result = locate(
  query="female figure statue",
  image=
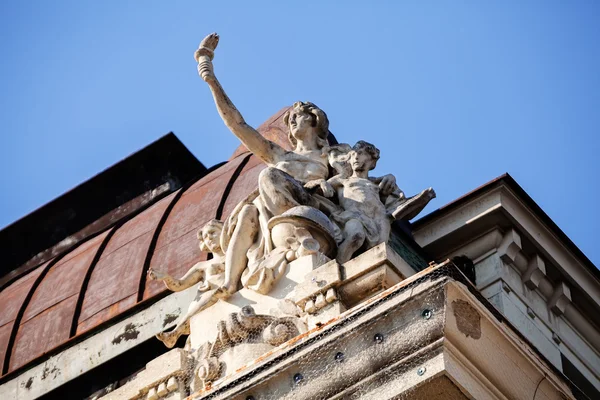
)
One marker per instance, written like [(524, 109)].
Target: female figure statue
[(287, 180)]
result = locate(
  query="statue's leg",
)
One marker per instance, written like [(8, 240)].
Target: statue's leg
[(242, 239), (354, 237), (170, 338), (201, 302), (280, 191)]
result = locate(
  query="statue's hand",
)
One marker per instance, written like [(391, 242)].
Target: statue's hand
[(156, 275), (207, 47), (320, 184), (387, 184)]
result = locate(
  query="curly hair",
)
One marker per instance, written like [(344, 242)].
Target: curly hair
[(212, 223), (368, 147), (319, 120)]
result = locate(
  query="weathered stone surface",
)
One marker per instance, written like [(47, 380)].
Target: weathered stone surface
[(316, 282), (204, 324), (151, 383), (399, 344)]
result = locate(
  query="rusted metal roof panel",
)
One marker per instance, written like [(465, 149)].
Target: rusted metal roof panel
[(42, 333), (143, 223), (62, 280), (197, 205), (106, 314), (13, 296), (4, 337), (115, 277), (245, 184), (92, 242), (175, 259)]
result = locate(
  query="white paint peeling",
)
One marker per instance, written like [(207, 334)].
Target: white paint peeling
[(97, 349)]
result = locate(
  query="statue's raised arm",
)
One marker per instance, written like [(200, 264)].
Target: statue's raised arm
[(271, 153)]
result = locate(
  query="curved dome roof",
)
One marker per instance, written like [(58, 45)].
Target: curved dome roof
[(105, 275)]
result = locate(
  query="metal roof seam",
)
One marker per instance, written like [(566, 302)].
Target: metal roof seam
[(88, 276), (66, 255), (21, 312), (159, 226)]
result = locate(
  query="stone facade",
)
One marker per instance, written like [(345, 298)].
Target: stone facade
[(429, 336), (307, 290)]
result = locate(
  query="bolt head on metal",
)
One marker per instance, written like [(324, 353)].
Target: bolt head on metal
[(298, 378), (378, 338), (421, 371), (339, 356), (427, 313)]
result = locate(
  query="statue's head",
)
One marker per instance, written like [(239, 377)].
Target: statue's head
[(210, 236), (363, 156), (306, 119)]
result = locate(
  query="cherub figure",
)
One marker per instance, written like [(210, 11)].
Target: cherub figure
[(368, 206), (210, 275)]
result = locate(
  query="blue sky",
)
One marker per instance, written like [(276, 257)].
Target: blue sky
[(454, 93)]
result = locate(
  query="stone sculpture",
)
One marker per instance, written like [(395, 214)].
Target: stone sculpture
[(367, 210), (290, 180), (314, 205), (209, 274), (244, 331)]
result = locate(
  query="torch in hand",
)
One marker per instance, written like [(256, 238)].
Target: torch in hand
[(204, 56)]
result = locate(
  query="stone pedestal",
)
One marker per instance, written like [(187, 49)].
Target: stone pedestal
[(234, 333), (320, 288), (203, 326)]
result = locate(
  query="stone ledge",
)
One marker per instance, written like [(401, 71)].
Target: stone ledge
[(157, 380), (437, 325)]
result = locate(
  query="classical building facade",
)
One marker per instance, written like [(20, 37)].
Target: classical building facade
[(300, 276)]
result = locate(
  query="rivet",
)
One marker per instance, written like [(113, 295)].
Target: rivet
[(250, 398), (378, 338), (426, 313), (298, 378), (314, 279), (421, 371), (339, 356)]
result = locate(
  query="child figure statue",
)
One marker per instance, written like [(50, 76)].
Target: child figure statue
[(367, 210), (210, 275)]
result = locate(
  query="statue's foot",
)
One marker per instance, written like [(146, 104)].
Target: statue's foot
[(168, 338)]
